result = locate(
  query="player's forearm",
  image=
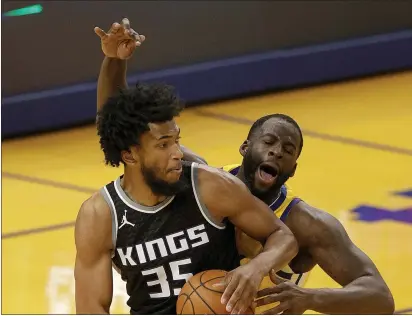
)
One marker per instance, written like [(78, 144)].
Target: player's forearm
[(112, 76), (365, 295), (280, 248)]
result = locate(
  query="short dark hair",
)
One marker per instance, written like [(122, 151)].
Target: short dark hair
[(257, 124), (125, 117)]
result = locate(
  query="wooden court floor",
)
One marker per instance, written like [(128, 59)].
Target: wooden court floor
[(356, 164)]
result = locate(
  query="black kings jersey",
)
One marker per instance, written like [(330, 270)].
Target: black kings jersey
[(158, 248)]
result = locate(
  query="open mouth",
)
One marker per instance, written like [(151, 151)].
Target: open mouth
[(268, 173)]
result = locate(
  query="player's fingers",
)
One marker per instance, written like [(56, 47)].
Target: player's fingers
[(272, 298), (244, 302), (116, 27), (275, 278), (238, 309), (134, 35), (277, 309), (102, 34), (270, 290), (235, 300), (230, 287), (126, 23)]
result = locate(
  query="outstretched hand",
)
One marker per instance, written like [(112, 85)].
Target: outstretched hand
[(240, 288), (121, 40), (292, 299)]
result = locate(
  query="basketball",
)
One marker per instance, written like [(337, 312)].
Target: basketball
[(199, 297)]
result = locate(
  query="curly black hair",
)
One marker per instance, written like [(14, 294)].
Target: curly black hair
[(257, 124), (125, 117)]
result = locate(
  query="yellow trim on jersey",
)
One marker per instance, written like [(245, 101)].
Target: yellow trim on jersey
[(251, 248)]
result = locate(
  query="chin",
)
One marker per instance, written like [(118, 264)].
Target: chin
[(260, 191), (172, 179)]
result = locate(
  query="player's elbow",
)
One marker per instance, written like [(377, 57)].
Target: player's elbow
[(386, 301), (381, 299)]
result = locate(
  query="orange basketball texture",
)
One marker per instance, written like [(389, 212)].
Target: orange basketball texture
[(199, 297)]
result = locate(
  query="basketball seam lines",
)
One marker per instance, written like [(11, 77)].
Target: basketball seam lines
[(187, 299), (204, 284), (194, 289)]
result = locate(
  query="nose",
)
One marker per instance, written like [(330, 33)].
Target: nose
[(177, 154), (276, 151)]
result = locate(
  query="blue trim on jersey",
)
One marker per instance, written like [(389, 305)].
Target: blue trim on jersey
[(281, 199), (288, 208), (234, 171)]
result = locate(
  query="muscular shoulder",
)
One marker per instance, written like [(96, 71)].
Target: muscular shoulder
[(219, 181), (313, 226), (93, 223), (94, 211), (220, 190)]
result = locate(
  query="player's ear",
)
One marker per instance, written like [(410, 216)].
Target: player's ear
[(244, 147), (130, 157)]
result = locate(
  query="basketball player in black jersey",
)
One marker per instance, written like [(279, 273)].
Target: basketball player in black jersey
[(163, 220), (322, 239)]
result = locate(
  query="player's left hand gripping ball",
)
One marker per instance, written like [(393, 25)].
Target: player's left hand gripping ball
[(121, 40), (241, 286)]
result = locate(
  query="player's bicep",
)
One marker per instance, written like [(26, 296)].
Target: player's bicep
[(254, 217), (231, 199), (336, 254), (226, 196), (93, 267), (94, 288)]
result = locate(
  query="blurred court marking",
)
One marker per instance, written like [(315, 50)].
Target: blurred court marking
[(56, 184)]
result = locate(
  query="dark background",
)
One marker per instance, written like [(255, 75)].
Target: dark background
[(59, 47)]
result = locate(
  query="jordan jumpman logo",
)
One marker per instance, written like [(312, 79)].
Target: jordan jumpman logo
[(125, 221)]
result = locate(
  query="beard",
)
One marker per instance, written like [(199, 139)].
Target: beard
[(250, 166), (161, 187)]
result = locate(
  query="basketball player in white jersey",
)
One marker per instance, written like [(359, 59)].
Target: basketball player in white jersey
[(164, 220), (321, 237)]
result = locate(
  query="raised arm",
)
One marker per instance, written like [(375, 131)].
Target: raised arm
[(112, 77), (93, 267), (118, 45), (226, 196)]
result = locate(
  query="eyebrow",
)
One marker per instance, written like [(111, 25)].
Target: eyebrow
[(168, 136)]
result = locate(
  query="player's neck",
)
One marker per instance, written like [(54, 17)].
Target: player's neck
[(137, 189)]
